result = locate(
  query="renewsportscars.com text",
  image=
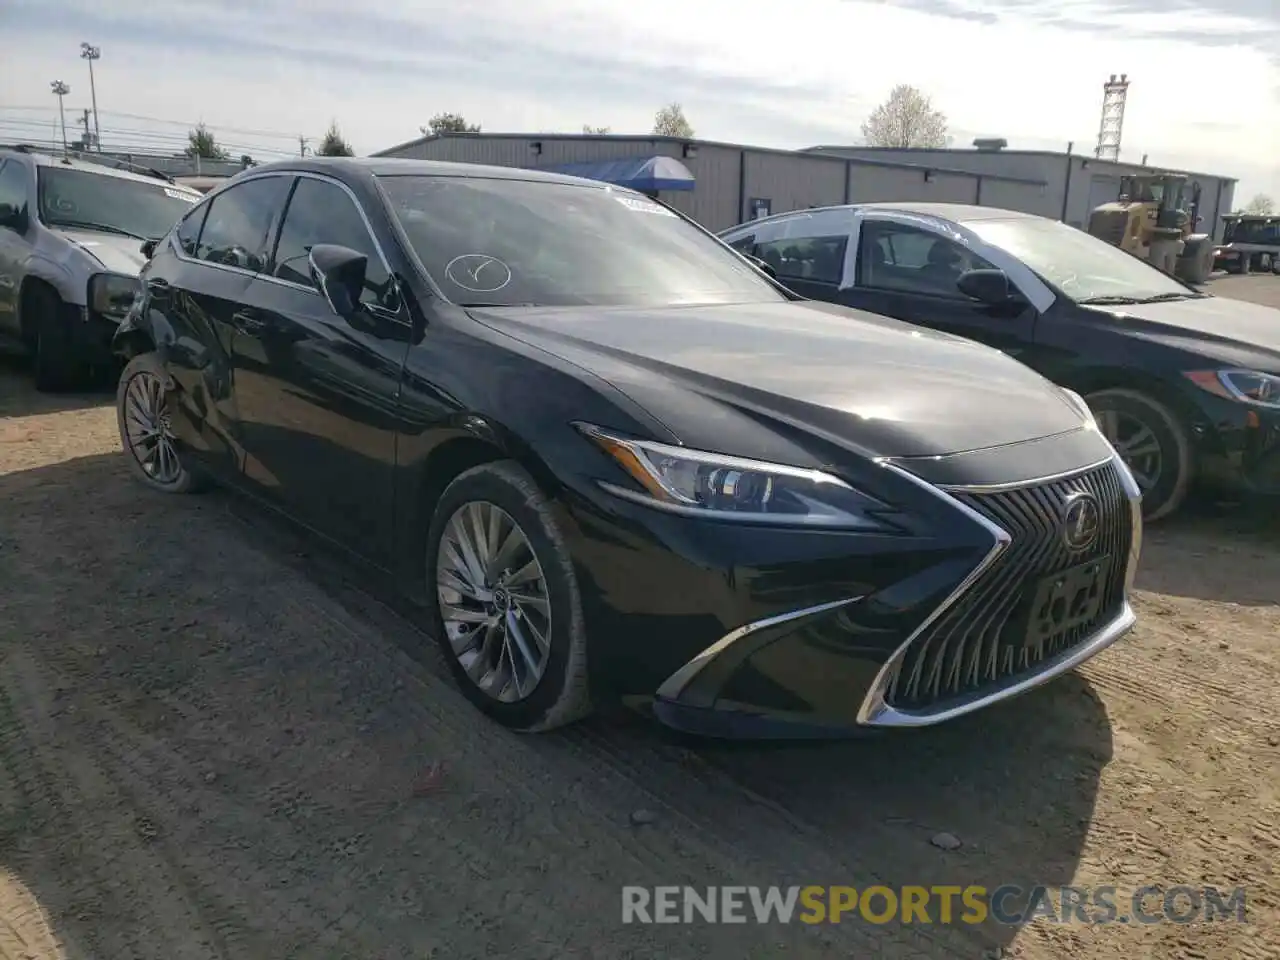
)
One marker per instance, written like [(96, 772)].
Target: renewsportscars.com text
[(1009, 904)]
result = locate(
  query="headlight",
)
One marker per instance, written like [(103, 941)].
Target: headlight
[(112, 294), (1079, 403), (695, 483), (1246, 386)]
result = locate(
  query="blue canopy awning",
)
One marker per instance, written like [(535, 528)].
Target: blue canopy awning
[(637, 173)]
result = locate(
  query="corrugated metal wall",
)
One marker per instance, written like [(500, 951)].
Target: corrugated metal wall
[(729, 177), (1092, 181)]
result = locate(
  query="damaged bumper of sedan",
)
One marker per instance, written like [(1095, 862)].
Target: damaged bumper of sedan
[(987, 591)]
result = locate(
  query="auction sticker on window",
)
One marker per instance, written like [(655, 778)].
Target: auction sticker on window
[(640, 205), (180, 195)]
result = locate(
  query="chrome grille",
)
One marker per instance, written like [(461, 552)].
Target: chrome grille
[(980, 640)]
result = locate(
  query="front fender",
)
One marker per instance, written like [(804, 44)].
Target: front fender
[(143, 330)]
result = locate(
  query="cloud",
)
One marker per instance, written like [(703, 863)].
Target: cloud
[(785, 75)]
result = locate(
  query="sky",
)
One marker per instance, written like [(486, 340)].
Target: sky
[(1204, 95)]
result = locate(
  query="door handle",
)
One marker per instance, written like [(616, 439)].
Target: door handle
[(157, 285)]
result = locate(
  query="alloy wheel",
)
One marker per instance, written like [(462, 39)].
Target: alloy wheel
[(1137, 445), (493, 600), (148, 430)]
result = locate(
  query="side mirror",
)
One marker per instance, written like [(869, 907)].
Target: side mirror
[(149, 248), (339, 273), (762, 265), (985, 286), (13, 217)]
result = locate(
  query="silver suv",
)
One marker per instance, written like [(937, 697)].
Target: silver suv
[(73, 236)]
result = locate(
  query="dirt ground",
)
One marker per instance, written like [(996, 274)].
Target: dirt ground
[(217, 741)]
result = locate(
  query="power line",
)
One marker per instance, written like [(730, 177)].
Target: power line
[(243, 131)]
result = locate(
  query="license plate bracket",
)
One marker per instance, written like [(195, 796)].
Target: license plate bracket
[(1067, 599)]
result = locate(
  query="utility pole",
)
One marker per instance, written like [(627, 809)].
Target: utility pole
[(84, 121), (92, 53), (60, 90), (302, 145)]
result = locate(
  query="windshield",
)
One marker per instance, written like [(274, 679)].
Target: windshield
[(1083, 267), (94, 201), (497, 242)]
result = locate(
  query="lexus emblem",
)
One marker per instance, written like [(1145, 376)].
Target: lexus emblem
[(1081, 518)]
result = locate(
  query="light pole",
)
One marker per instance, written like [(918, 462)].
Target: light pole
[(92, 53), (60, 90)]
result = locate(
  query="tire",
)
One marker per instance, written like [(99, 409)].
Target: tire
[(1129, 411), (143, 378), (57, 368), (559, 692)]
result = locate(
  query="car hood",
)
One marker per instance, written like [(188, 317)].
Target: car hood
[(116, 253), (1234, 331), (883, 387)]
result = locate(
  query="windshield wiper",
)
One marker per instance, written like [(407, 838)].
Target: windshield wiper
[(1110, 300), (90, 225), (1164, 297), (484, 304)]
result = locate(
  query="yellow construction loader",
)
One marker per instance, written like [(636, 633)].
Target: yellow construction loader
[(1154, 217)]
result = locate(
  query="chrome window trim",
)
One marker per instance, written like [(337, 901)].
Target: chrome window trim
[(675, 685), (180, 254), (875, 712)]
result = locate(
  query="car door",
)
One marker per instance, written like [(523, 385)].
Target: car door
[(908, 270), (198, 282), (317, 395), (15, 248)]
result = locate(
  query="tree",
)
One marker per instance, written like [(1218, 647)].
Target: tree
[(247, 161), (670, 121), (591, 131), (449, 123), (201, 143), (1260, 205), (906, 119), (333, 145)]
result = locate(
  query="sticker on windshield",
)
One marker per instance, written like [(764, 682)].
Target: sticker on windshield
[(478, 272), (640, 205), (180, 195)]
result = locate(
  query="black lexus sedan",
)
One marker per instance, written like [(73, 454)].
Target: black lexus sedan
[(608, 456), (1186, 386)]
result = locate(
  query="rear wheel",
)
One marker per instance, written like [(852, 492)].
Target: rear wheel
[(143, 417), (1153, 444), (504, 599)]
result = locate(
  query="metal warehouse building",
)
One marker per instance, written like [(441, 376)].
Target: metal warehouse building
[(723, 184)]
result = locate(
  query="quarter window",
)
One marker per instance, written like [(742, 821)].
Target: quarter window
[(898, 257), (237, 229), (189, 229), (322, 212)]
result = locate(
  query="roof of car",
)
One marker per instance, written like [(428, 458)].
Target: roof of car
[(71, 163), (959, 212), (955, 212), (390, 167)]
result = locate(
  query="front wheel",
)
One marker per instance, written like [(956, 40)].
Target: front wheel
[(1153, 444), (143, 417), (504, 600)]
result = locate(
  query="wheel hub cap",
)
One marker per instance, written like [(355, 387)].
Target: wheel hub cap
[(148, 432), (493, 601)]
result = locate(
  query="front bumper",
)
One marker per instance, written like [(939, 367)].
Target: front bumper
[(1238, 446), (921, 649)]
